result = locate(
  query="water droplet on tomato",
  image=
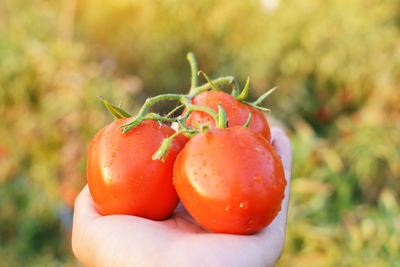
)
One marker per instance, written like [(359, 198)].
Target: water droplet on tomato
[(136, 183), (244, 205), (227, 208), (247, 151), (250, 221), (257, 178)]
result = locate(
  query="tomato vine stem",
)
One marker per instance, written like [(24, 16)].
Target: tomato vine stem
[(220, 119), (193, 67), (162, 152), (184, 99), (208, 80), (245, 92), (248, 120)]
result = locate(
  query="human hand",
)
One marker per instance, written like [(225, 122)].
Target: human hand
[(124, 240)]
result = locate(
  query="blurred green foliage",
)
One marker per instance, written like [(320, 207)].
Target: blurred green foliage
[(337, 64)]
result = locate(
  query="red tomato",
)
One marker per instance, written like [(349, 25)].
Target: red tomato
[(123, 178), (236, 112), (230, 180)]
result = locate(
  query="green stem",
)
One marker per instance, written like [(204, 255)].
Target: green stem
[(152, 100), (262, 97), (222, 122), (256, 107), (159, 118), (174, 110), (209, 80), (248, 120), (184, 99), (207, 86), (245, 93), (208, 110), (147, 104), (193, 67), (138, 120), (162, 152)]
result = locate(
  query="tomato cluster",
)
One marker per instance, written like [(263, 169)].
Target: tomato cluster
[(227, 176)]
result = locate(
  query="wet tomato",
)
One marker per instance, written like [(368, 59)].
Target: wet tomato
[(123, 178), (236, 112), (230, 180)]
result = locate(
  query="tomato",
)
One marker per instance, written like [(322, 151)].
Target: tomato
[(236, 112), (230, 180), (123, 178)]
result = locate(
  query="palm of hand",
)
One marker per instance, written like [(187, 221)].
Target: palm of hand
[(122, 240)]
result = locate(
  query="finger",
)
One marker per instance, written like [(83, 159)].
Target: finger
[(275, 232), (84, 209), (282, 146), (84, 213)]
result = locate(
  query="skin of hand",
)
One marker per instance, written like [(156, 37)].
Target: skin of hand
[(123, 240)]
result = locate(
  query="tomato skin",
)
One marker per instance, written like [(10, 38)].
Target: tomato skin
[(123, 178), (236, 112), (230, 180)]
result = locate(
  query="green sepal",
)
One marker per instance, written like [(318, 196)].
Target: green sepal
[(209, 80), (256, 107), (193, 67), (222, 122), (245, 92), (117, 112), (131, 124), (264, 96), (248, 120), (162, 152)]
